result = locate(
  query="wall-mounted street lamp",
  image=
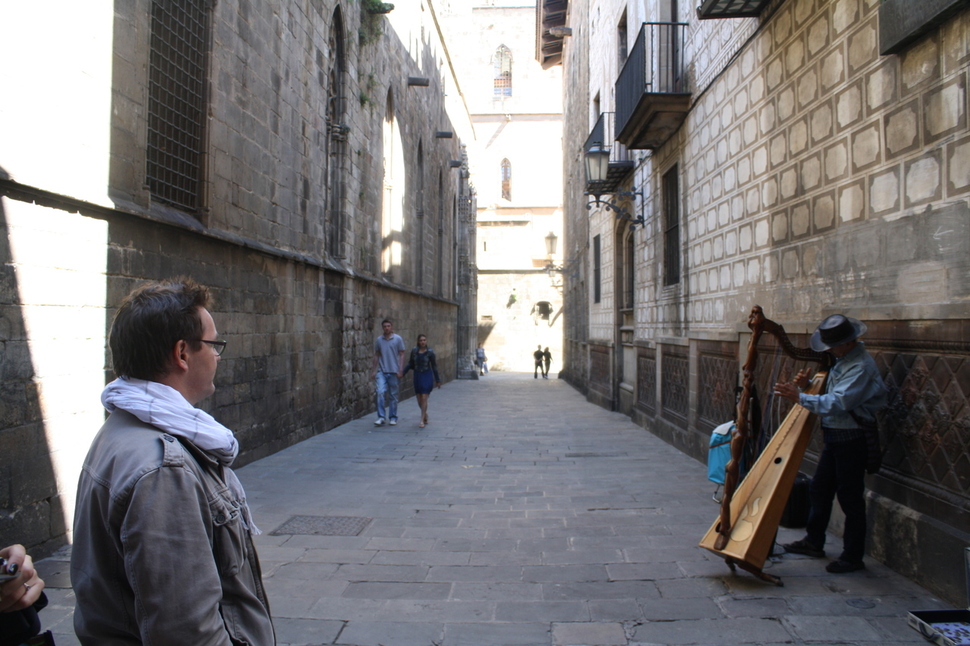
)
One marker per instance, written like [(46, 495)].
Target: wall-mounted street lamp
[(551, 268), (551, 241), (597, 172), (569, 267)]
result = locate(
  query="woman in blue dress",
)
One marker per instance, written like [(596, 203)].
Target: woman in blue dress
[(425, 366)]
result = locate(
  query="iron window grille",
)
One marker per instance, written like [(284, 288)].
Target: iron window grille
[(176, 102), (597, 269), (671, 202)]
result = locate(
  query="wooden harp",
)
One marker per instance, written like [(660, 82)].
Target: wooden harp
[(751, 511)]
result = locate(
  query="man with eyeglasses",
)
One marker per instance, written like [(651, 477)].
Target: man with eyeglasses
[(163, 550)]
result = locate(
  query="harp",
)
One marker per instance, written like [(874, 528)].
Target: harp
[(745, 531)]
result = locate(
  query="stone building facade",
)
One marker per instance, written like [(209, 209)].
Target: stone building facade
[(305, 160), (516, 161), (811, 158)]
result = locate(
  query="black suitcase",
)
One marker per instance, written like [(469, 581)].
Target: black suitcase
[(796, 510)]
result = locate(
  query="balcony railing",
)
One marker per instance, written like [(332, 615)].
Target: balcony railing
[(621, 162), (652, 99)]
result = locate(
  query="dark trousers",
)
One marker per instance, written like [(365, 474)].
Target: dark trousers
[(841, 473)]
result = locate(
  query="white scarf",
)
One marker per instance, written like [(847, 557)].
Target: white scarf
[(165, 408)]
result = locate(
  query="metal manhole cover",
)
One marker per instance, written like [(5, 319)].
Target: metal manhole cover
[(323, 526)]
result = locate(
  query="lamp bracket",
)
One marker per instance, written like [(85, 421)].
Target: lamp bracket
[(620, 212)]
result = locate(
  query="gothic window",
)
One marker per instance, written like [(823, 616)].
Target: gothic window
[(392, 204), (440, 250), (506, 179), (502, 83), (336, 139), (419, 222), (176, 102)]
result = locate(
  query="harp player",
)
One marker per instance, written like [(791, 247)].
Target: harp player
[(854, 392)]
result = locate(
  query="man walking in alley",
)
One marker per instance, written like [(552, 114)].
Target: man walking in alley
[(163, 550), (388, 370), (538, 356), (854, 393)]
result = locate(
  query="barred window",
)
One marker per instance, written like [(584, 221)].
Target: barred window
[(671, 202), (176, 102), (629, 270), (621, 43), (336, 141), (502, 83), (597, 270)]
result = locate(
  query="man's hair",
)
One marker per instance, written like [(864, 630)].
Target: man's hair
[(150, 321), (386, 321)]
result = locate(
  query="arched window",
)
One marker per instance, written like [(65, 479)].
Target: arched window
[(506, 180), (502, 83), (440, 248), (419, 223), (336, 139), (392, 208)]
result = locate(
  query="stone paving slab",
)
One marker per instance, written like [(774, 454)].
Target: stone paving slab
[(539, 520), (603, 633)]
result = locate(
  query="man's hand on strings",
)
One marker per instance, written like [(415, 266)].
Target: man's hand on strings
[(791, 390)]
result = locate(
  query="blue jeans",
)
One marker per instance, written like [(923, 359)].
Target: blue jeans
[(840, 474), (387, 383)]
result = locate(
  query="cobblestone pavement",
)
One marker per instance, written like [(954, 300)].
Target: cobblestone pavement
[(522, 515)]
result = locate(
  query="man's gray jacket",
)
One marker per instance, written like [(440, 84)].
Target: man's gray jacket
[(161, 555)]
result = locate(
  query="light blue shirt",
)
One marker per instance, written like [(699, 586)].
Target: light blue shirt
[(854, 384), (390, 353)]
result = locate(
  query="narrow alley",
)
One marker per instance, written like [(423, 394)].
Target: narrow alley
[(522, 515)]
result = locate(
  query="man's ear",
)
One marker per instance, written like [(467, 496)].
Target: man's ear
[(179, 356)]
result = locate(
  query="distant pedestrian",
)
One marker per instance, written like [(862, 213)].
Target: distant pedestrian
[(481, 360), (538, 355), (425, 366), (547, 359), (388, 370)]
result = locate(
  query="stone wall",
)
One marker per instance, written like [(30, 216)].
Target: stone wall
[(290, 236)]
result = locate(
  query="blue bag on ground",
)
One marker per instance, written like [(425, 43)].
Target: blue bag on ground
[(719, 453)]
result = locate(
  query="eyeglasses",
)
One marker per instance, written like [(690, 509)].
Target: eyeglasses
[(217, 346)]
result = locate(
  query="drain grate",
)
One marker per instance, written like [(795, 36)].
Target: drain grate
[(323, 526)]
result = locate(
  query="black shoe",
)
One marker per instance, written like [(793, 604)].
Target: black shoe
[(841, 566), (804, 547)]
